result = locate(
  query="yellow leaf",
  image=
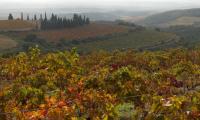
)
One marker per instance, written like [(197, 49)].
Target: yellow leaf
[(105, 117)]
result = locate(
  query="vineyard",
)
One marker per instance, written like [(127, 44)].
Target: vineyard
[(87, 31), (161, 85)]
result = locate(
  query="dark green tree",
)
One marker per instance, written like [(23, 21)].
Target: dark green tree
[(55, 22), (28, 18), (35, 17), (22, 16), (41, 17), (10, 17), (87, 21), (45, 16)]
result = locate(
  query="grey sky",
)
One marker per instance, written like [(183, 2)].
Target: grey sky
[(113, 4)]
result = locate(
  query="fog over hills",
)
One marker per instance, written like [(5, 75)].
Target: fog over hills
[(95, 9), (104, 4), (173, 18)]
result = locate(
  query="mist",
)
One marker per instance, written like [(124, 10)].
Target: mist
[(134, 5), (66, 7)]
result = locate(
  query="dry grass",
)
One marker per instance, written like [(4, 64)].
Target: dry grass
[(6, 42), (16, 25)]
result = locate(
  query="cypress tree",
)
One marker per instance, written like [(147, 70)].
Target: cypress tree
[(35, 17), (87, 21), (41, 17), (10, 17), (45, 16), (28, 17), (58, 22), (22, 16)]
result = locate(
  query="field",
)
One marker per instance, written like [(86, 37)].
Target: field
[(16, 25), (6, 42), (185, 21)]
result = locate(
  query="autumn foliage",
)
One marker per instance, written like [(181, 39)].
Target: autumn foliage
[(64, 85)]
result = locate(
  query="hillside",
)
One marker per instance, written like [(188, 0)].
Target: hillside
[(127, 85), (91, 30), (172, 18), (82, 32), (95, 37), (189, 34), (145, 39)]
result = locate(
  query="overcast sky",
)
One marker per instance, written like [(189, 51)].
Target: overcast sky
[(113, 4)]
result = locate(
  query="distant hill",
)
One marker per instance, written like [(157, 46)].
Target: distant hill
[(113, 15), (173, 18)]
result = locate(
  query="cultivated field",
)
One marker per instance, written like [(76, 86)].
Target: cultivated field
[(6, 42), (91, 30), (16, 25), (185, 21)]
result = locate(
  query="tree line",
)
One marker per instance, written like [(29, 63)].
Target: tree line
[(55, 22), (59, 22)]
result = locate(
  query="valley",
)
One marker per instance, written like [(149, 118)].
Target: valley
[(100, 65)]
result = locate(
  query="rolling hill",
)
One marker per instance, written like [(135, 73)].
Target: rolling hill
[(173, 18), (145, 39), (189, 34), (95, 37), (82, 32)]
